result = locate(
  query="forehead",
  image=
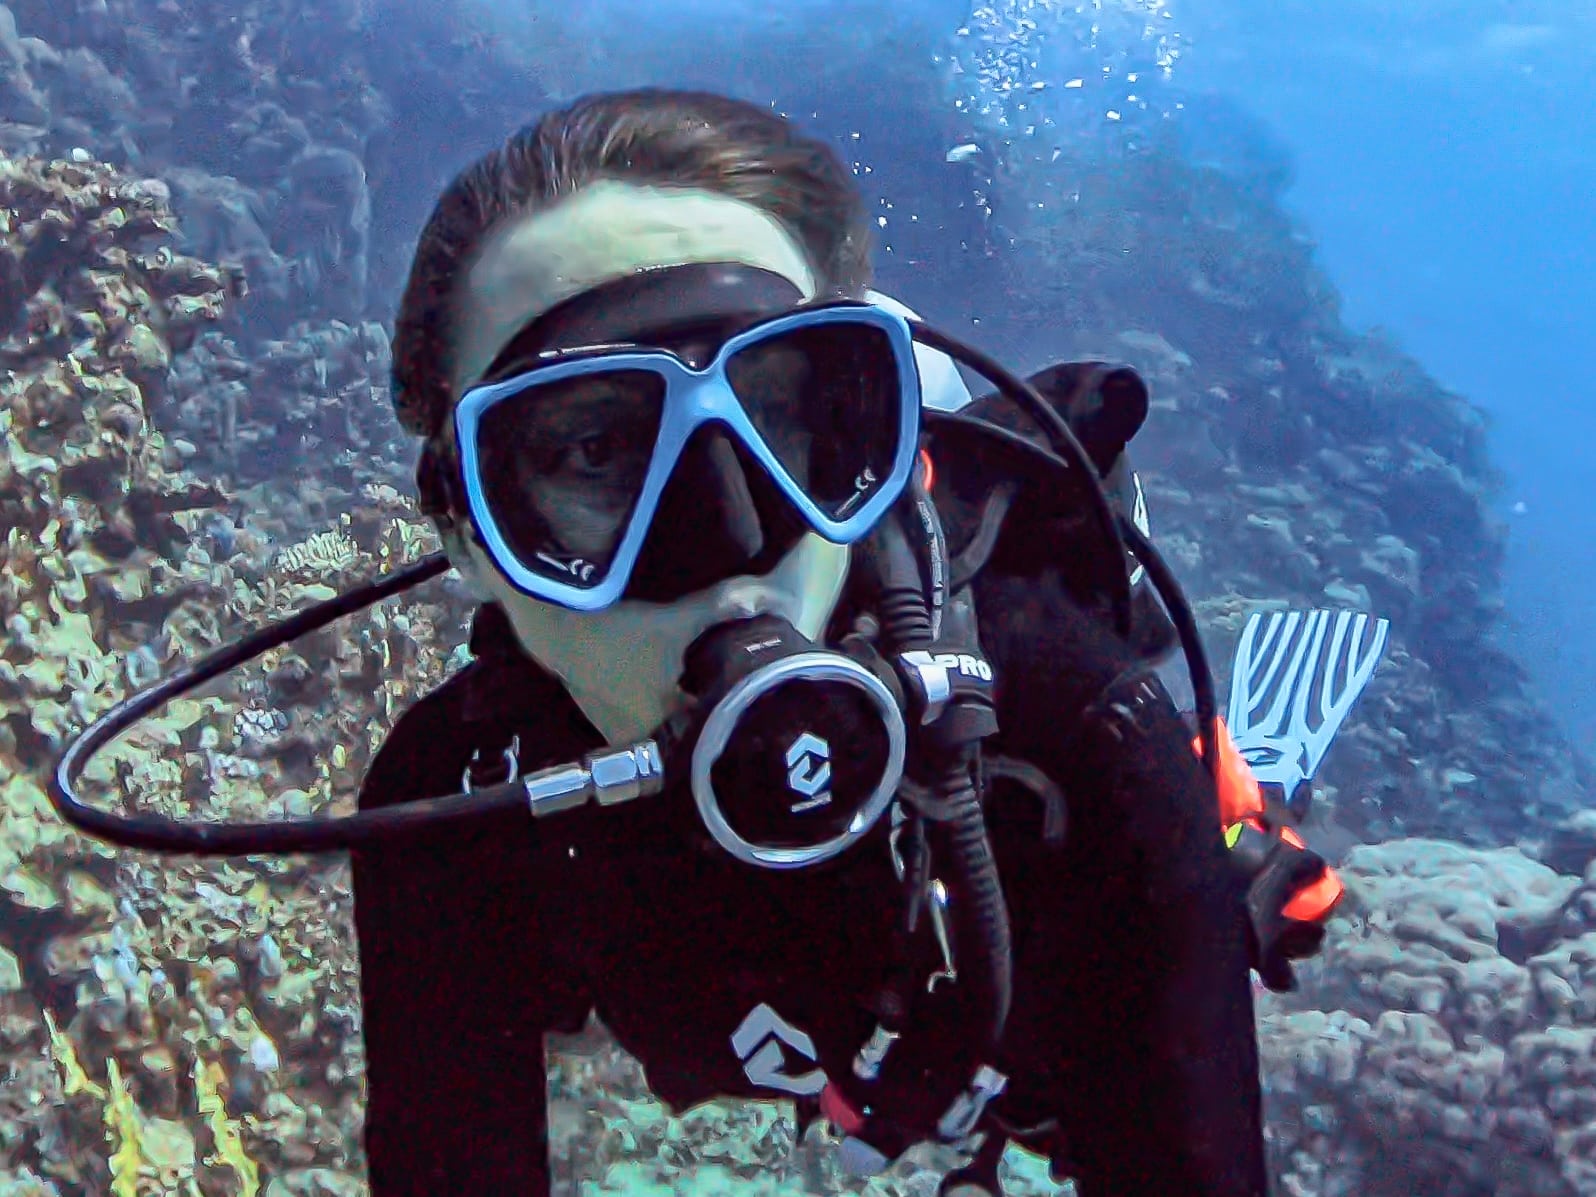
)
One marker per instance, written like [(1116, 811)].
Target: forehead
[(691, 309), (607, 231)]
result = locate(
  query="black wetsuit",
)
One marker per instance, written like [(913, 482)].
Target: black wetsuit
[(1132, 1021)]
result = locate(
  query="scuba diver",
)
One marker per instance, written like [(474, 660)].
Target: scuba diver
[(636, 515), (833, 693)]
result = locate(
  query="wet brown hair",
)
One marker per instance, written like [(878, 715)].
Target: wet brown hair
[(651, 137)]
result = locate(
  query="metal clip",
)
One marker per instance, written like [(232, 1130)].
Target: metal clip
[(938, 894), (899, 826), (964, 1115), (512, 767), (930, 679)]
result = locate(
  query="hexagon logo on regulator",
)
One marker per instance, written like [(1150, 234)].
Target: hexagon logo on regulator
[(809, 772)]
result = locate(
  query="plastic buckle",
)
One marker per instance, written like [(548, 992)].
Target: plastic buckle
[(510, 760)]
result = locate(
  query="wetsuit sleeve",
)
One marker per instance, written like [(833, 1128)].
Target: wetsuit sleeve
[(1177, 1105), (1139, 927), (455, 996)]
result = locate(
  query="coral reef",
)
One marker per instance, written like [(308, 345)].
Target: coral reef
[(225, 1040), (1350, 478), (140, 85), (1450, 1025)]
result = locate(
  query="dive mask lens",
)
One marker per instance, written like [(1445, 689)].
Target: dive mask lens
[(827, 400), (561, 467)]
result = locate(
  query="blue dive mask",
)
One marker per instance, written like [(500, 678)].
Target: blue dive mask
[(564, 464)]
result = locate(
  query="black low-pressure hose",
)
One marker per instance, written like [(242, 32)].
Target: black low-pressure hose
[(905, 616), (157, 833), (1191, 641), (933, 548), (956, 821), (1067, 452), (979, 913)]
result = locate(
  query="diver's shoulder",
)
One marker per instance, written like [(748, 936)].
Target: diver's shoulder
[(502, 700), (418, 752), (1040, 628)]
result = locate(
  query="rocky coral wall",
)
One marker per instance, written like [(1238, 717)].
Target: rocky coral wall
[(1345, 476), (203, 94), (169, 1026), (263, 132)]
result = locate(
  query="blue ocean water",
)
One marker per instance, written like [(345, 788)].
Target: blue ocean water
[(1444, 158), (1441, 155)]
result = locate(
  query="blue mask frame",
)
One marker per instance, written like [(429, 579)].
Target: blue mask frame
[(693, 398)]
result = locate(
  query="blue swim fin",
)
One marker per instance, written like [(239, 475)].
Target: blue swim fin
[(1297, 674)]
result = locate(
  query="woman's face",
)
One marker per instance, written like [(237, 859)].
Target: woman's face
[(578, 458)]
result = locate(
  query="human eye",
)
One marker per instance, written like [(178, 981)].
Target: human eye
[(599, 430)]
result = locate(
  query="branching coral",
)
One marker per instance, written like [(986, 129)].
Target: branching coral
[(149, 1155), (224, 1132), (110, 571)]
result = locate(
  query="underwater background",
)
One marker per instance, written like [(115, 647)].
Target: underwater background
[(206, 211)]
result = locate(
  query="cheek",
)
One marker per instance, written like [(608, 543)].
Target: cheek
[(586, 519)]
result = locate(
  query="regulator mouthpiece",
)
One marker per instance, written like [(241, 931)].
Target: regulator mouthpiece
[(801, 750)]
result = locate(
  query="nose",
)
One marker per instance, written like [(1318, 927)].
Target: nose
[(708, 526), (739, 516)]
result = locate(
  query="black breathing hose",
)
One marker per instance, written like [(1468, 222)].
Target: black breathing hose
[(1191, 641), (977, 908), (978, 911), (156, 833), (933, 554)]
